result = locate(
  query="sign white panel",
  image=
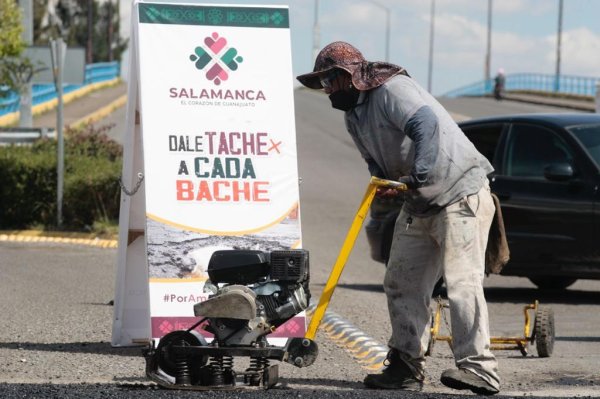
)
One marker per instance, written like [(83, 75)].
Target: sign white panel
[(219, 145)]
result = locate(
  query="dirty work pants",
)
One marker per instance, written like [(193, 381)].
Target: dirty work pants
[(450, 244)]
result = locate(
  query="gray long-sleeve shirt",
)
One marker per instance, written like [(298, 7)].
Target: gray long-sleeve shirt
[(401, 130)]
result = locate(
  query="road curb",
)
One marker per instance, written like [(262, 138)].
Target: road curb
[(58, 238)]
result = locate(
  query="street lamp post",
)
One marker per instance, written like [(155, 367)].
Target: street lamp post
[(488, 54), (387, 27), (25, 104), (316, 32), (431, 32), (58, 50), (558, 44)]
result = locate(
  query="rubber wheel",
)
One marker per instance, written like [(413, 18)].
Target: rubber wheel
[(543, 331), (552, 283), (431, 343), (430, 346), (166, 361)]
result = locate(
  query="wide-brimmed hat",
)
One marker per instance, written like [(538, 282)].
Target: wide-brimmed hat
[(341, 55)]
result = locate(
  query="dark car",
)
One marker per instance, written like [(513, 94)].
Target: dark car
[(547, 177)]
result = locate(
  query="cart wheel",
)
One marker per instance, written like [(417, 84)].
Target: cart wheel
[(543, 331), (431, 343), (430, 346)]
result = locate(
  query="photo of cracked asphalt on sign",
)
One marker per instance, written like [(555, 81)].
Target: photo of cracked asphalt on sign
[(178, 253), (55, 301)]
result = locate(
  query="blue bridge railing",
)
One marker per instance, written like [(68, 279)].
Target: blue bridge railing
[(565, 84), (94, 73)]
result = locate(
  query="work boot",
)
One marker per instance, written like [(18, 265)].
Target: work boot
[(465, 379), (396, 375)]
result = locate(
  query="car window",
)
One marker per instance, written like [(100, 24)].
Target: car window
[(589, 136), (485, 138), (530, 149)]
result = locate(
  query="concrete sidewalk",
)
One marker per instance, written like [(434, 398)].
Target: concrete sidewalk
[(91, 107)]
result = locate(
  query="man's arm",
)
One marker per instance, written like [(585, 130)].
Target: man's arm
[(406, 108), (422, 128)]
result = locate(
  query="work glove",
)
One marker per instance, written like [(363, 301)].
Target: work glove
[(410, 182)]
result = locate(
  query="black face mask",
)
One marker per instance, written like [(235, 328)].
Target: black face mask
[(344, 100)]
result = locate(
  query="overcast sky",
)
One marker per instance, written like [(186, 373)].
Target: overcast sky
[(524, 35)]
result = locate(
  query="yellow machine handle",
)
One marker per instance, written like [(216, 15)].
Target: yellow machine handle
[(338, 267)]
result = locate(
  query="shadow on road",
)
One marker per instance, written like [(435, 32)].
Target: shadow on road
[(512, 295), (98, 348), (321, 382), (579, 339), (363, 287), (527, 295)]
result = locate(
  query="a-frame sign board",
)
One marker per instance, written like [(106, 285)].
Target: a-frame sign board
[(210, 127), (131, 317)]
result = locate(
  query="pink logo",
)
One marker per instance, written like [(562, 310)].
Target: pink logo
[(218, 64), (165, 327)]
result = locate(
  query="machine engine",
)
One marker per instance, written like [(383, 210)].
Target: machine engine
[(253, 292)]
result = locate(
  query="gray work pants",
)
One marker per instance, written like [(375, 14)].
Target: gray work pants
[(450, 244)]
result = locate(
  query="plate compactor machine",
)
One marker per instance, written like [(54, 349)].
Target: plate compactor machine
[(251, 294)]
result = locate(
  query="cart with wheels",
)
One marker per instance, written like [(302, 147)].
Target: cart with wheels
[(541, 331)]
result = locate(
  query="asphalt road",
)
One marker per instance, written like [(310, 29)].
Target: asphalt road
[(55, 339)]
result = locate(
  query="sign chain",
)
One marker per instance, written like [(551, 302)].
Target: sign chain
[(137, 185)]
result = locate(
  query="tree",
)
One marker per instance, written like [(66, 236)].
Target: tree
[(108, 45), (15, 71), (70, 19), (11, 29)]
